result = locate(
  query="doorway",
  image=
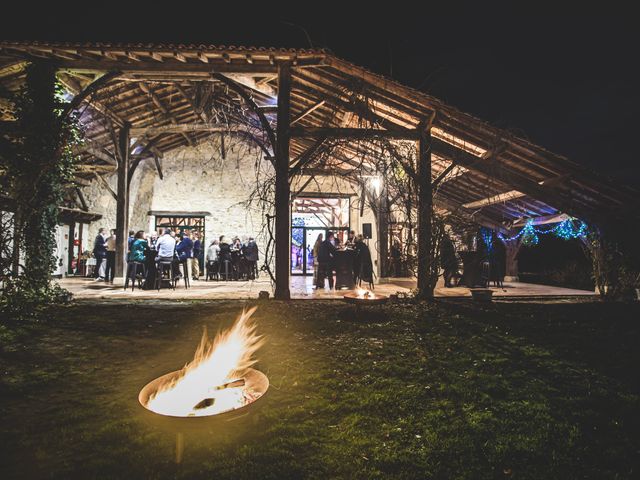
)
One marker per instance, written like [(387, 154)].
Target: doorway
[(310, 217)]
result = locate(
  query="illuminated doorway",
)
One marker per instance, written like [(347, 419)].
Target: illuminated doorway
[(310, 217)]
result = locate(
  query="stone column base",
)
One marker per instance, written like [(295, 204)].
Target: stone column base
[(511, 278)]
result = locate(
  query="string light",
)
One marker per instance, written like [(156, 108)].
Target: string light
[(487, 237), (566, 230)]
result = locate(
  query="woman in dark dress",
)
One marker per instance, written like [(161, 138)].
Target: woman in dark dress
[(363, 266)]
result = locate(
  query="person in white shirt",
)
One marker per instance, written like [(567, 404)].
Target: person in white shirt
[(110, 269), (166, 246), (212, 261)]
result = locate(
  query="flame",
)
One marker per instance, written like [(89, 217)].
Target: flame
[(363, 293), (215, 363)]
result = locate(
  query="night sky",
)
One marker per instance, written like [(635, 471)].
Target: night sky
[(566, 79)]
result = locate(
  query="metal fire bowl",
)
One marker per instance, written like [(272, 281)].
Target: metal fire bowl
[(373, 299), (254, 379)]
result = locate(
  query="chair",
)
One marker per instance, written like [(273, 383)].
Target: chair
[(213, 271), (162, 267), (132, 274), (485, 275)]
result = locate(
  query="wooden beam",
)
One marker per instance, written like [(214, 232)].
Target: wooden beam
[(168, 65), (99, 154), (164, 109), (181, 128), (309, 110), (89, 90), (122, 202), (156, 160), (443, 175), (190, 99), (83, 202), (304, 158), (282, 187), (492, 200), (543, 220), (70, 85), (240, 90), (355, 133), (107, 186)]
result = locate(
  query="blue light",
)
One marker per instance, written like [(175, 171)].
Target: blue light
[(567, 230)]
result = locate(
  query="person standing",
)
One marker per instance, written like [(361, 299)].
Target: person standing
[(110, 269), (130, 240), (316, 249), (448, 261), (326, 254), (363, 265), (197, 250), (213, 264), (100, 254), (185, 253), (250, 251), (351, 239)]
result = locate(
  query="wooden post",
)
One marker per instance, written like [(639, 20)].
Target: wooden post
[(80, 249), (122, 203), (283, 189), (383, 230), (425, 213), (72, 232), (511, 262)]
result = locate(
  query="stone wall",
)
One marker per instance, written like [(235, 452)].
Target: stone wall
[(196, 179)]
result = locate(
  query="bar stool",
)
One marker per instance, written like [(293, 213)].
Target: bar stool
[(185, 273), (162, 267), (132, 274), (228, 269)]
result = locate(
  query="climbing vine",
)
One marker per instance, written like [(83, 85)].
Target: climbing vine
[(38, 161)]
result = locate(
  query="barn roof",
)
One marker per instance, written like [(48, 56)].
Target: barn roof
[(486, 173)]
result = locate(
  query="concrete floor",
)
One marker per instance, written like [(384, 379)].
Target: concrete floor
[(301, 288)]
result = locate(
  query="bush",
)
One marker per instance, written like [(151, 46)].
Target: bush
[(20, 301)]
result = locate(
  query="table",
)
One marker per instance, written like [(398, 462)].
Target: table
[(343, 265)]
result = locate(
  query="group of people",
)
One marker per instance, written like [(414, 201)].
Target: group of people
[(235, 260), (180, 248), (326, 250)]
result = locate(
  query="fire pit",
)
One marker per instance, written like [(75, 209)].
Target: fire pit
[(218, 380), (362, 297)]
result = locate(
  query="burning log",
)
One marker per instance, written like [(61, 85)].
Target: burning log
[(235, 383), (207, 402)]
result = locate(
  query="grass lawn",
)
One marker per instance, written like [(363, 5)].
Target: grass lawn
[(450, 390)]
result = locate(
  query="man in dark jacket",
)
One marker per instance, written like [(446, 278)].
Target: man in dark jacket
[(185, 252), (326, 253), (250, 252), (100, 254), (197, 251)]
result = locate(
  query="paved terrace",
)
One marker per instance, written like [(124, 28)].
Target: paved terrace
[(301, 288)]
